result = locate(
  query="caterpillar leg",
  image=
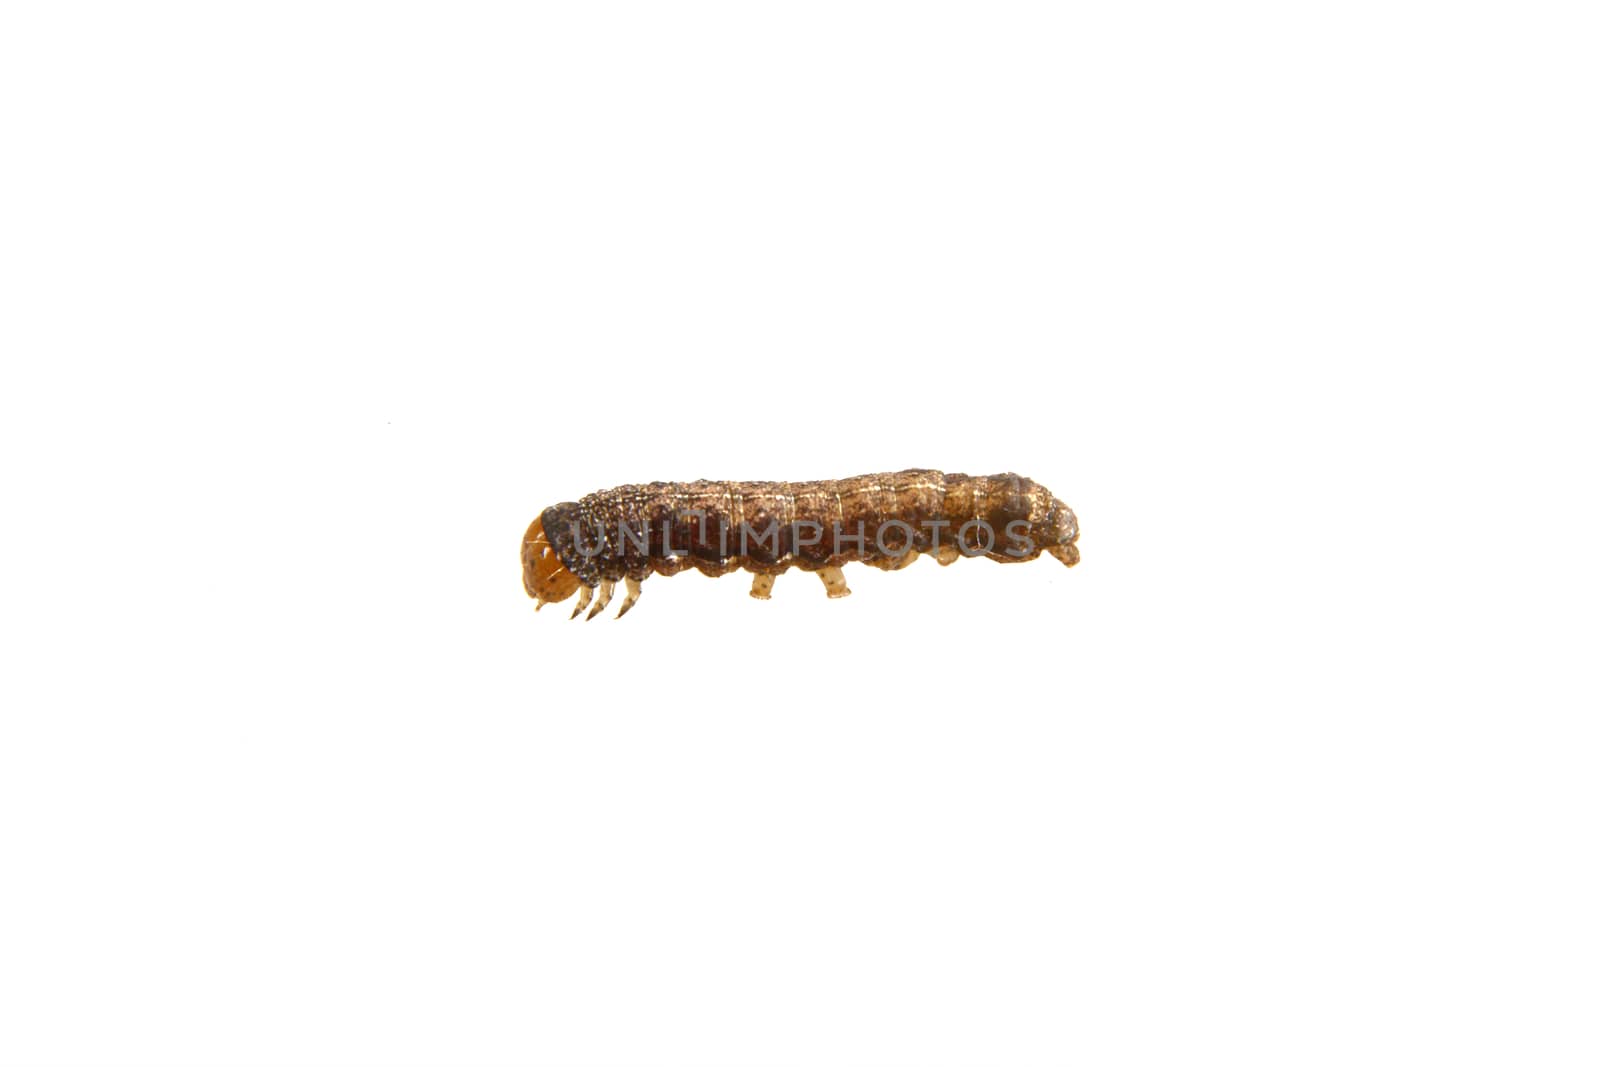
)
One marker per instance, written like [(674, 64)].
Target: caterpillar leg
[(946, 554), (1067, 554), (585, 594), (761, 588), (631, 598), (833, 582), (600, 601)]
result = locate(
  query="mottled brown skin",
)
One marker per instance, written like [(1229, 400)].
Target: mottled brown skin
[(703, 520)]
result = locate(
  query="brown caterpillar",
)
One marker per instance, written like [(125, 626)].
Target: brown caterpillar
[(883, 520)]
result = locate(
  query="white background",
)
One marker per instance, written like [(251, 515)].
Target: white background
[(309, 309)]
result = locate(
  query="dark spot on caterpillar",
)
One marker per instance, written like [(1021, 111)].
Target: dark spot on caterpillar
[(628, 533)]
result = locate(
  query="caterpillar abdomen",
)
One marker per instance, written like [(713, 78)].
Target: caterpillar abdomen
[(883, 520)]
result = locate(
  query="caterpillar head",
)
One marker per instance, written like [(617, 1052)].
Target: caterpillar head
[(544, 576)]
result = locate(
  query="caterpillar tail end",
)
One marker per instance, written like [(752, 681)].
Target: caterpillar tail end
[(543, 575), (1065, 546)]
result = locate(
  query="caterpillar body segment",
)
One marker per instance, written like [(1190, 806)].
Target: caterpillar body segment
[(628, 533)]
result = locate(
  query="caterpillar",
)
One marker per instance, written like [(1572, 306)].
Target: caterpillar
[(883, 520)]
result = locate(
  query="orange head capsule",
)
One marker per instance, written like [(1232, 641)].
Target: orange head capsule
[(543, 575)]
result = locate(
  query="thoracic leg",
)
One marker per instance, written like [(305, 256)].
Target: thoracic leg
[(585, 594), (631, 598), (761, 588), (600, 601), (833, 581)]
